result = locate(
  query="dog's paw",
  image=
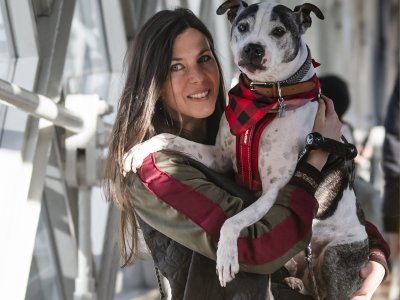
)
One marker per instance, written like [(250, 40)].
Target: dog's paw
[(294, 283), (227, 263), (227, 259), (133, 159)]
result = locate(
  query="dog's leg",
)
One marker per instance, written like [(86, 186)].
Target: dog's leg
[(210, 155), (227, 252), (217, 157), (277, 161), (340, 245)]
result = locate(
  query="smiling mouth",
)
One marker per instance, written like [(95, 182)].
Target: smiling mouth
[(201, 95)]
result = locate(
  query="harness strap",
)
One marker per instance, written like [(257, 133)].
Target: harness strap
[(247, 144)]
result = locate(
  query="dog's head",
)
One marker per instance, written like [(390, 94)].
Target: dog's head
[(266, 38)]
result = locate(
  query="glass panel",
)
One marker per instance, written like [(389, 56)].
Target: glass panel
[(43, 283), (7, 60), (87, 66), (6, 54)]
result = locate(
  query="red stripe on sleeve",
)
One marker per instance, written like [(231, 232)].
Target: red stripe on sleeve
[(284, 236), (183, 198)]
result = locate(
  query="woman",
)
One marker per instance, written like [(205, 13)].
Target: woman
[(174, 84)]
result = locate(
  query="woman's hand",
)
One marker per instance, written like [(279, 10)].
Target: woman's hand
[(372, 275), (326, 123)]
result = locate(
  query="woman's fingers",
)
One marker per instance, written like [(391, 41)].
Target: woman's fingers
[(330, 108), (320, 116), (321, 108), (327, 122)]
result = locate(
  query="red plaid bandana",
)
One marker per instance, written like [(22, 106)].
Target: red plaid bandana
[(246, 107)]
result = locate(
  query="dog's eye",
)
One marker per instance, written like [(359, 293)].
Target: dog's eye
[(278, 32), (243, 27)]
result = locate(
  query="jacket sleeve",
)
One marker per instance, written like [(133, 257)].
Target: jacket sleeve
[(180, 202), (379, 250)]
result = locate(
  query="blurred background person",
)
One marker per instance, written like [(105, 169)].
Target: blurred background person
[(391, 198), (336, 88)]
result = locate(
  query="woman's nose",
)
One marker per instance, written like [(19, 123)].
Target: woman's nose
[(196, 74)]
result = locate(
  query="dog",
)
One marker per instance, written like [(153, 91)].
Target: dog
[(267, 45)]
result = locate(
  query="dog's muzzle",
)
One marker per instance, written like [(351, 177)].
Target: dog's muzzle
[(252, 56)]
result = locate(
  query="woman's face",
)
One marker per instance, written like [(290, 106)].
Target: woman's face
[(191, 88)]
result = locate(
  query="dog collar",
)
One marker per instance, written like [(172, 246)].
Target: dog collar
[(276, 90), (247, 107), (287, 87)]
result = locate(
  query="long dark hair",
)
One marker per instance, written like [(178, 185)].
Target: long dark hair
[(141, 114)]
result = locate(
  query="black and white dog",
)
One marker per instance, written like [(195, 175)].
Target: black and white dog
[(267, 44)]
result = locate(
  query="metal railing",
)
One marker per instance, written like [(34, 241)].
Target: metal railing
[(81, 117), (39, 106)]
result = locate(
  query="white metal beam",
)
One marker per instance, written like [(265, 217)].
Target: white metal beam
[(39, 106), (19, 209), (23, 172), (115, 33), (22, 214), (24, 30), (84, 283), (110, 261)]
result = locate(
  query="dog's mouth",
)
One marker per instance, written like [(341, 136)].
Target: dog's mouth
[(251, 66)]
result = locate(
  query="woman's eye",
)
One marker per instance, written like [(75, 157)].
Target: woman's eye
[(204, 58), (278, 32), (243, 27), (176, 67)]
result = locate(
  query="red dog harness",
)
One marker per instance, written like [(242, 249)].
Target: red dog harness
[(247, 155), (251, 110)]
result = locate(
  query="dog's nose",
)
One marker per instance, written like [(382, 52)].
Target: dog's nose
[(253, 51)]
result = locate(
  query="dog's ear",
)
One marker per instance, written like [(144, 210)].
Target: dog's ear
[(303, 17), (232, 6)]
